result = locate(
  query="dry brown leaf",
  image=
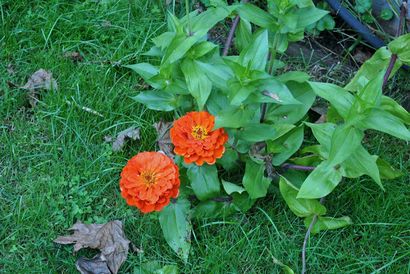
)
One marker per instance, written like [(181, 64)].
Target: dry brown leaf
[(132, 133), (96, 265), (164, 139), (41, 79), (109, 238)]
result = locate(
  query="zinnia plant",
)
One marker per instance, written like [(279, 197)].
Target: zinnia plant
[(242, 116), (149, 181), (195, 139)]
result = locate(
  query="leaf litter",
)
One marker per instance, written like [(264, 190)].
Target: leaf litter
[(40, 80), (132, 133), (109, 238)]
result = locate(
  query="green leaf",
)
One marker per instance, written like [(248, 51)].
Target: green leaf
[(257, 16), (242, 201), (206, 20), (180, 46), (361, 6), (361, 162), (372, 92), (386, 14), (273, 91), (386, 170), (145, 70), (232, 188), (345, 140), (391, 106), (213, 209), (198, 83), (257, 132), (176, 225), (219, 73), (204, 181), (383, 121), (154, 267), (309, 15), (286, 146), (400, 46), (254, 181), (377, 63), (235, 117), (201, 49), (327, 223), (320, 182), (293, 76), (339, 98), (255, 55), (243, 34), (157, 100), (323, 133), (300, 207), (229, 159), (291, 114)]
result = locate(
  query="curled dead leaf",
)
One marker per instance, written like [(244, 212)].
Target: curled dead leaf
[(41, 79), (164, 139), (132, 133), (96, 265), (109, 238)]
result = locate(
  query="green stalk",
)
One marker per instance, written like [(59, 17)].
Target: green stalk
[(187, 15)]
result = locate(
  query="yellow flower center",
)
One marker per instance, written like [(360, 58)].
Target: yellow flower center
[(199, 132), (148, 177)]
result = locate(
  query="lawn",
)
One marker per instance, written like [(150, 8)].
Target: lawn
[(55, 167)]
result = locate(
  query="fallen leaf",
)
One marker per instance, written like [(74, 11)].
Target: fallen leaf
[(132, 133), (74, 56), (96, 265), (109, 238), (41, 79), (164, 139)]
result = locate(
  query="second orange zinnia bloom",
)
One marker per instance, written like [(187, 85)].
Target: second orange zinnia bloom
[(194, 138)]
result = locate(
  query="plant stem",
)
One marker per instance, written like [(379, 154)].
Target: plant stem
[(187, 15), (314, 220), (393, 59), (231, 34), (298, 167)]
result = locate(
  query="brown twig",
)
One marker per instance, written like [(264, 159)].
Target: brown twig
[(314, 220), (393, 59), (231, 34)]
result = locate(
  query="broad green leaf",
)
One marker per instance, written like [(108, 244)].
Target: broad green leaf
[(320, 182), (229, 159), (213, 209), (157, 100), (372, 91), (339, 98), (273, 91), (327, 223), (345, 140), (291, 114), (204, 181), (256, 54), (257, 16), (180, 46), (257, 132), (377, 63), (235, 117), (155, 267), (198, 83), (243, 34), (232, 188), (164, 40), (242, 201), (145, 70), (309, 15), (386, 170), (323, 133), (400, 46), (176, 225), (391, 106), (239, 95), (254, 181), (206, 20), (219, 73), (154, 51), (383, 121), (286, 269), (201, 49), (300, 207), (361, 162), (295, 76), (285, 146)]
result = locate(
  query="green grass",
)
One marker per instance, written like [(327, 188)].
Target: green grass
[(56, 169)]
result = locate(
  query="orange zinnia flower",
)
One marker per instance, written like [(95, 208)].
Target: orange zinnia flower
[(149, 181), (194, 138)]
